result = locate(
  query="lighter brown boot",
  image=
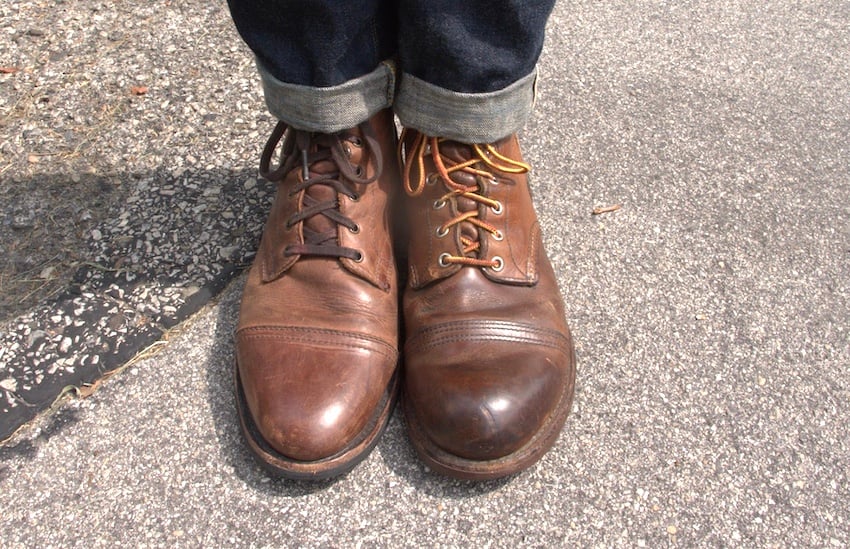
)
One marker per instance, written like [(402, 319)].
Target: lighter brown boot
[(317, 340), (489, 360)]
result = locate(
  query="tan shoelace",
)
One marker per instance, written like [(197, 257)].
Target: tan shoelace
[(492, 160)]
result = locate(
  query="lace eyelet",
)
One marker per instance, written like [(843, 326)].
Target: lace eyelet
[(442, 260), (354, 197), (358, 170), (494, 181), (432, 179), (356, 141), (497, 209), (439, 204), (347, 150), (498, 236), (442, 231), (499, 263), (355, 229), (358, 258)]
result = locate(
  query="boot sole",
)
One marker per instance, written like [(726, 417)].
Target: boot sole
[(458, 467), (281, 466)]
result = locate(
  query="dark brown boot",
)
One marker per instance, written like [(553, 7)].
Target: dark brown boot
[(317, 341), (489, 360)]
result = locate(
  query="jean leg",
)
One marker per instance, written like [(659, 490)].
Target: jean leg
[(468, 68), (321, 62)]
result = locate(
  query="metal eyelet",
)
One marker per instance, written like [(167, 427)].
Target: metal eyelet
[(358, 258), (498, 236), (497, 209), (354, 197), (358, 171), (442, 260), (355, 229), (347, 150), (494, 181), (356, 141), (499, 263), (439, 204), (442, 231), (432, 179)]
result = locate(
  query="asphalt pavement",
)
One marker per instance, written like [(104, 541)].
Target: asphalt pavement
[(708, 298)]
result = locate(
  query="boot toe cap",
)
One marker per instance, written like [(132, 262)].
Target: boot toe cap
[(311, 428), (310, 400), (484, 407)]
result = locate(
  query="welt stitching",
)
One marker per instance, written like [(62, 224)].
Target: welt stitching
[(458, 338)]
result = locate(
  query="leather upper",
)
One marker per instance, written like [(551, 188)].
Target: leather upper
[(317, 339), (488, 355)]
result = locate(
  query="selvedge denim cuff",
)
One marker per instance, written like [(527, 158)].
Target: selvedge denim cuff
[(464, 117), (333, 109)]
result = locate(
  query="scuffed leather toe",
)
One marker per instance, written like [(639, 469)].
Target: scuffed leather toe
[(487, 405), (310, 400)]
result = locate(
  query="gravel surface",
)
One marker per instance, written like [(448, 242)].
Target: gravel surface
[(710, 310), (129, 193)]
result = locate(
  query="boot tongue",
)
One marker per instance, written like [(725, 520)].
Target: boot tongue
[(457, 153), (320, 193)]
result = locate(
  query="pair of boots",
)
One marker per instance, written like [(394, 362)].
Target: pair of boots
[(488, 362)]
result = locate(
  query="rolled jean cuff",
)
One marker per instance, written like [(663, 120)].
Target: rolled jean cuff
[(466, 117), (332, 109)]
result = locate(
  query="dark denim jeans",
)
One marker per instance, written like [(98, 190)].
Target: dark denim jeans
[(460, 69)]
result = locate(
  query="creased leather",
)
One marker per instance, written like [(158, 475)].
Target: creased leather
[(520, 253), (489, 359), (317, 338)]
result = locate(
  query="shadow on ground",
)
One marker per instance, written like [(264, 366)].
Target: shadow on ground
[(163, 246)]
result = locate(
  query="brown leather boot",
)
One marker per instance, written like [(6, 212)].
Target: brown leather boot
[(489, 360), (317, 341)]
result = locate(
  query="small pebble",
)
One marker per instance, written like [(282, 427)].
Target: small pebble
[(65, 345), (9, 384)]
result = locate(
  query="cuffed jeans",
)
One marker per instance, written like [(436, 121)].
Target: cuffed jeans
[(458, 69)]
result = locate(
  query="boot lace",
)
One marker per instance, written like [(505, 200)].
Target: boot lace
[(484, 164), (330, 154)]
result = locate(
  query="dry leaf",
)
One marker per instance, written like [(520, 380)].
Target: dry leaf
[(606, 209), (9, 70), (139, 90)]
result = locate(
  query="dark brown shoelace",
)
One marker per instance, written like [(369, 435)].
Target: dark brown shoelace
[(325, 166)]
